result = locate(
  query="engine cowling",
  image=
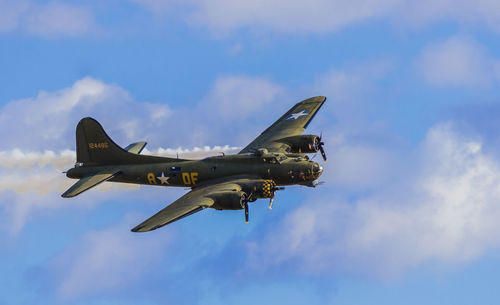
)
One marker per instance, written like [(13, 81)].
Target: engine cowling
[(260, 189), (302, 144), (266, 189), (229, 200)]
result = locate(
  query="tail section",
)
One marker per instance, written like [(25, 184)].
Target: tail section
[(90, 181), (95, 147)]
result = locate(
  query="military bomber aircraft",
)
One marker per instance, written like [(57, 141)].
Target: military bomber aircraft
[(277, 157)]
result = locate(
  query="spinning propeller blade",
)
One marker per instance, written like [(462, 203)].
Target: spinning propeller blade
[(320, 146)]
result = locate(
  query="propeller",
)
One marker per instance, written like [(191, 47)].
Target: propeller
[(244, 200), (273, 192), (246, 211), (269, 190), (319, 145)]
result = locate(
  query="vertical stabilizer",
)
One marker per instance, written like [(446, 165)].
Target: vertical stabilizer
[(95, 147)]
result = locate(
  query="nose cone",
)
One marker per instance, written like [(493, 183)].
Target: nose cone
[(317, 170)]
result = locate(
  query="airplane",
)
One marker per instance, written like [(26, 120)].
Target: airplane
[(276, 158)]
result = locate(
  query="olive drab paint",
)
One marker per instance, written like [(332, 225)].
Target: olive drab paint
[(276, 158)]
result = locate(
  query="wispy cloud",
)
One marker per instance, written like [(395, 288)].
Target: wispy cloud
[(238, 97), (28, 173), (106, 260), (444, 190), (285, 16), (49, 20), (458, 61), (33, 157), (321, 16), (222, 17), (49, 119), (443, 209), (428, 12)]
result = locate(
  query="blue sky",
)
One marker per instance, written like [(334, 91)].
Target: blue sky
[(409, 209)]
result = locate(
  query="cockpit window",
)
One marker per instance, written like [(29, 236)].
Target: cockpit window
[(271, 160), (277, 158)]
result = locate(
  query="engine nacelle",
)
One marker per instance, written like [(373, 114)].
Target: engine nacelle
[(229, 200), (302, 144), (265, 189), (258, 189)]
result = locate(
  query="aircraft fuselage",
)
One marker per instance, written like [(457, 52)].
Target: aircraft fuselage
[(190, 173)]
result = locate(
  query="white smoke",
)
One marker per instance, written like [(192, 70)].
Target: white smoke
[(194, 153), (17, 158)]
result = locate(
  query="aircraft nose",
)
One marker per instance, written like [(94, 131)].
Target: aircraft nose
[(317, 170)]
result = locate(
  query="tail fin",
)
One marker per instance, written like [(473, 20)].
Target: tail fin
[(95, 147)]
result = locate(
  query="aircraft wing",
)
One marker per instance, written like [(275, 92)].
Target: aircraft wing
[(90, 181), (292, 123), (194, 201)]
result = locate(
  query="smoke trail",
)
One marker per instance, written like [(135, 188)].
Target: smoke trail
[(194, 153), (16, 158), (41, 172)]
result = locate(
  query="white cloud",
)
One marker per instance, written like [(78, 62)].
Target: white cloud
[(359, 166), (59, 19), (53, 19), (10, 12), (352, 117), (34, 155), (238, 97), (351, 85), (482, 12), (107, 260), (442, 210), (37, 180), (320, 16), (49, 120), (285, 16), (458, 61)]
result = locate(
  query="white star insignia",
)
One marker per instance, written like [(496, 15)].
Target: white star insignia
[(297, 115), (163, 179)]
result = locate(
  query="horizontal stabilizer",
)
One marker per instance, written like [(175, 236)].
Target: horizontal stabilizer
[(136, 148), (90, 181)]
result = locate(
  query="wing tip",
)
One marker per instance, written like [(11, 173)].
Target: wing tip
[(140, 229), (314, 99), (69, 194), (145, 228), (320, 99)]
